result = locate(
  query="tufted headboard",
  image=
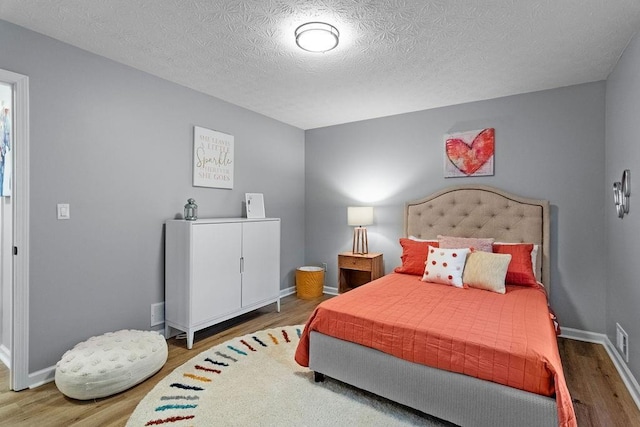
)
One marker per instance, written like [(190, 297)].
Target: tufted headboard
[(482, 211)]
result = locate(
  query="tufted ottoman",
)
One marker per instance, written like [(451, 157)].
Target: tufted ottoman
[(110, 363)]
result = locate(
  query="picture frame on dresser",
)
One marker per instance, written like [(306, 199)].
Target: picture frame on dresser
[(255, 205)]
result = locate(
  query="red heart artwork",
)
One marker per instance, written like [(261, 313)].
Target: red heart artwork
[(469, 157)]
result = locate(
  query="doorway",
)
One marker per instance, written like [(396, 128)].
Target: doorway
[(6, 220), (14, 229)]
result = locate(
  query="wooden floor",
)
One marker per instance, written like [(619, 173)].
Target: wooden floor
[(600, 397)]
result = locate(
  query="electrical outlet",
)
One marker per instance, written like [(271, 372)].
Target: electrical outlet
[(157, 314), (622, 342), (324, 266)]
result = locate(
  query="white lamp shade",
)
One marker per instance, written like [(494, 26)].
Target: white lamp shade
[(357, 216)]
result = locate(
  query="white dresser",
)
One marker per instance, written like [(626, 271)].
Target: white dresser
[(216, 269)]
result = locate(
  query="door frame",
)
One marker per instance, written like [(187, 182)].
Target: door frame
[(19, 371)]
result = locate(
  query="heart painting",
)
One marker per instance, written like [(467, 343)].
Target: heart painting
[(470, 153)]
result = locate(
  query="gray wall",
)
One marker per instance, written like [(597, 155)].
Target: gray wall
[(116, 144), (623, 246), (549, 145)]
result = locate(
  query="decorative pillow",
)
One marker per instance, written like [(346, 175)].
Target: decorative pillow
[(417, 239), (445, 266), (535, 261), (520, 270), (487, 271), (414, 255), (450, 242)]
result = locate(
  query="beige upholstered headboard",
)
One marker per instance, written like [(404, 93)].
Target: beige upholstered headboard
[(482, 211)]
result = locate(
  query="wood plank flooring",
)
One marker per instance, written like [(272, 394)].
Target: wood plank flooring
[(600, 396)]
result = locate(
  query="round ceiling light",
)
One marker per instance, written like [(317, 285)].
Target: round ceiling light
[(317, 36)]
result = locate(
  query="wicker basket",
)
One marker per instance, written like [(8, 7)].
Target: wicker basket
[(309, 282)]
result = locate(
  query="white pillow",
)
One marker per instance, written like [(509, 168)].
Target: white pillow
[(445, 266), (417, 239)]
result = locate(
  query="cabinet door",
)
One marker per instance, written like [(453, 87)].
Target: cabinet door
[(261, 252), (216, 270)]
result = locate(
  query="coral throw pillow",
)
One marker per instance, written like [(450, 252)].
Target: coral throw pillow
[(445, 266), (414, 255), (520, 270)]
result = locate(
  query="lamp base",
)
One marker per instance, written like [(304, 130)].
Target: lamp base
[(360, 242)]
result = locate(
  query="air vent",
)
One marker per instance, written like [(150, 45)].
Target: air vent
[(157, 314), (622, 342)]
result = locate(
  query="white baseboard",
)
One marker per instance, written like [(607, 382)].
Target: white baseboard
[(580, 335), (5, 356), (618, 361), (292, 290), (41, 377), (286, 292), (330, 291)]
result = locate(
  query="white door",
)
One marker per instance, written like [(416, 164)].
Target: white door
[(216, 270), (14, 253), (261, 253), (6, 221)]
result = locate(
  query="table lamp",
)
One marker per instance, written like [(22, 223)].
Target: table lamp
[(359, 217)]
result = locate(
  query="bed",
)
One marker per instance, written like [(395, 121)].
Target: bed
[(427, 369)]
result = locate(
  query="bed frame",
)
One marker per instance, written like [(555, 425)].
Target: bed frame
[(464, 211)]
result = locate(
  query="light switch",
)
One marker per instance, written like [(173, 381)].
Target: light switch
[(63, 211)]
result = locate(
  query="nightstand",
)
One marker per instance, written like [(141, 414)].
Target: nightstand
[(355, 269)]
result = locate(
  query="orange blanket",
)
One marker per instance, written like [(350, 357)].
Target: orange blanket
[(508, 339)]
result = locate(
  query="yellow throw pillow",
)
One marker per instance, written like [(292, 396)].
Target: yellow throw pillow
[(487, 271)]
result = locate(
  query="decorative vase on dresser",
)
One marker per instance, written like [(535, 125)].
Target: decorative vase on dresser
[(217, 269)]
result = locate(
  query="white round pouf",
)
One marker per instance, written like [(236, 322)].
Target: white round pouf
[(110, 363)]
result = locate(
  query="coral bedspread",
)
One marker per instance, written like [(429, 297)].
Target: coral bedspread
[(508, 339)]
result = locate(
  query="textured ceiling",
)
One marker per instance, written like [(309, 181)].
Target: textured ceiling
[(394, 56)]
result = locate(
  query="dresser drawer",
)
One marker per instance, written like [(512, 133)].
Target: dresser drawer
[(354, 263)]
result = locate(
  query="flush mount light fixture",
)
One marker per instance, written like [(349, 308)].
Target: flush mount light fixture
[(317, 36)]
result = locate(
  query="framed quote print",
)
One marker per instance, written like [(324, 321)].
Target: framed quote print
[(212, 158)]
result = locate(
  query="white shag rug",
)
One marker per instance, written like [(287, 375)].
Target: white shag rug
[(253, 380)]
